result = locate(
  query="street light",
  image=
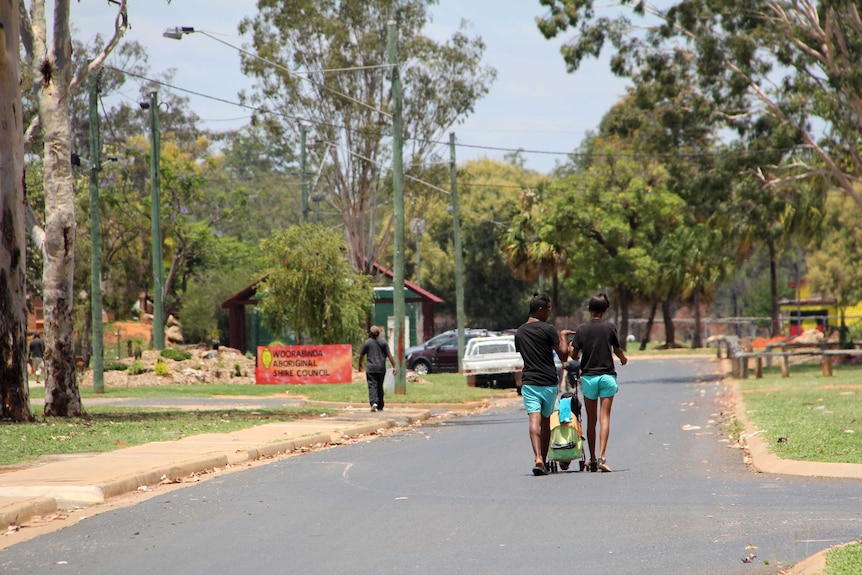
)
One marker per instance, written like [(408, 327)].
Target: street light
[(176, 32)]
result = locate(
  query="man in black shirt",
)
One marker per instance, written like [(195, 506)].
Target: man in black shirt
[(536, 340), (377, 350), (37, 352)]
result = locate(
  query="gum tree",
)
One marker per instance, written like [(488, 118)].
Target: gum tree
[(48, 56), (796, 61), (13, 319), (324, 65)]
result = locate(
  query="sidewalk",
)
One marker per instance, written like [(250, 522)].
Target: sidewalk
[(78, 481)]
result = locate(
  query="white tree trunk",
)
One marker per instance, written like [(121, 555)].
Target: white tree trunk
[(14, 388), (53, 70)]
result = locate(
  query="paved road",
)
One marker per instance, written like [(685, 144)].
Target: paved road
[(458, 497)]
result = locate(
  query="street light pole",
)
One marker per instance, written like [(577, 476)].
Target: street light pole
[(156, 228), (96, 239), (398, 208), (303, 173), (459, 255)]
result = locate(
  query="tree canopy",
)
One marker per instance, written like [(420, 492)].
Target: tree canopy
[(311, 289), (323, 67)]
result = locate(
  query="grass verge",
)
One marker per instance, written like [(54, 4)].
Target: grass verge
[(844, 560), (441, 388), (808, 417), (107, 428), (110, 428)]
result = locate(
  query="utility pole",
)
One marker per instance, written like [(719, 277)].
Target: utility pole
[(96, 238), (459, 255), (303, 172), (398, 208), (155, 219)]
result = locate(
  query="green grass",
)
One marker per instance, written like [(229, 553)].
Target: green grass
[(107, 428), (110, 428), (844, 560), (820, 417), (441, 388)]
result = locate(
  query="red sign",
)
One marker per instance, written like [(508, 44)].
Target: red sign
[(296, 364)]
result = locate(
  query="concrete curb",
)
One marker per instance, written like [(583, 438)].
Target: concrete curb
[(19, 504), (15, 510), (764, 461)]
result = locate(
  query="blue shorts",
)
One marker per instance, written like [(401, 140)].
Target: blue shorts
[(596, 386), (539, 398)]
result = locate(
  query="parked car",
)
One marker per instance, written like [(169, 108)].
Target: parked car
[(493, 362), (440, 353)]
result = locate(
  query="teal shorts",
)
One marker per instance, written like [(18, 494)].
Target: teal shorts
[(596, 386), (539, 398)]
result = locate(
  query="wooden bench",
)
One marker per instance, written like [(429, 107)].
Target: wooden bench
[(741, 368)]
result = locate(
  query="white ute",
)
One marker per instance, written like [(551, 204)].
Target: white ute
[(493, 362)]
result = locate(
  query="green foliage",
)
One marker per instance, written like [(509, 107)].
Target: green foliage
[(311, 288), (442, 80), (137, 368), (175, 354), (833, 268), (161, 368), (489, 193), (617, 215), (115, 366), (844, 560), (237, 370)]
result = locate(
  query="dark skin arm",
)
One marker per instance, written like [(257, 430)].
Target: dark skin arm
[(562, 347)]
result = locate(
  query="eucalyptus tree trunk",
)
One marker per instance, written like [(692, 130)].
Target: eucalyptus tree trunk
[(14, 388), (669, 330), (697, 339), (775, 309), (650, 321), (53, 68)]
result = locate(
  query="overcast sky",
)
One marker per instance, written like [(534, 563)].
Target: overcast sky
[(534, 105)]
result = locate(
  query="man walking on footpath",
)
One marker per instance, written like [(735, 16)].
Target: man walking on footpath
[(37, 352), (377, 350), (536, 340)]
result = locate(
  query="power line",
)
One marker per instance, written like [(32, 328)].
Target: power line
[(572, 155), (300, 75)]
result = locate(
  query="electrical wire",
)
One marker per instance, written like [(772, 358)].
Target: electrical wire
[(570, 155)]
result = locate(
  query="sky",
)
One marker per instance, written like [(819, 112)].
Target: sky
[(534, 104)]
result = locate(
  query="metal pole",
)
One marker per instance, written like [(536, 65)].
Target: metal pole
[(303, 172), (155, 220), (459, 255), (96, 239), (418, 258), (398, 208)]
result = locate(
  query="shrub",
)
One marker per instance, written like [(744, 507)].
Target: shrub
[(175, 354), (161, 368), (237, 370), (138, 368), (115, 366)]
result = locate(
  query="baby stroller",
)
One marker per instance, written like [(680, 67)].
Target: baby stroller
[(567, 441)]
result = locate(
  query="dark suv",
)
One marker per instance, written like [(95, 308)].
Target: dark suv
[(440, 353)]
